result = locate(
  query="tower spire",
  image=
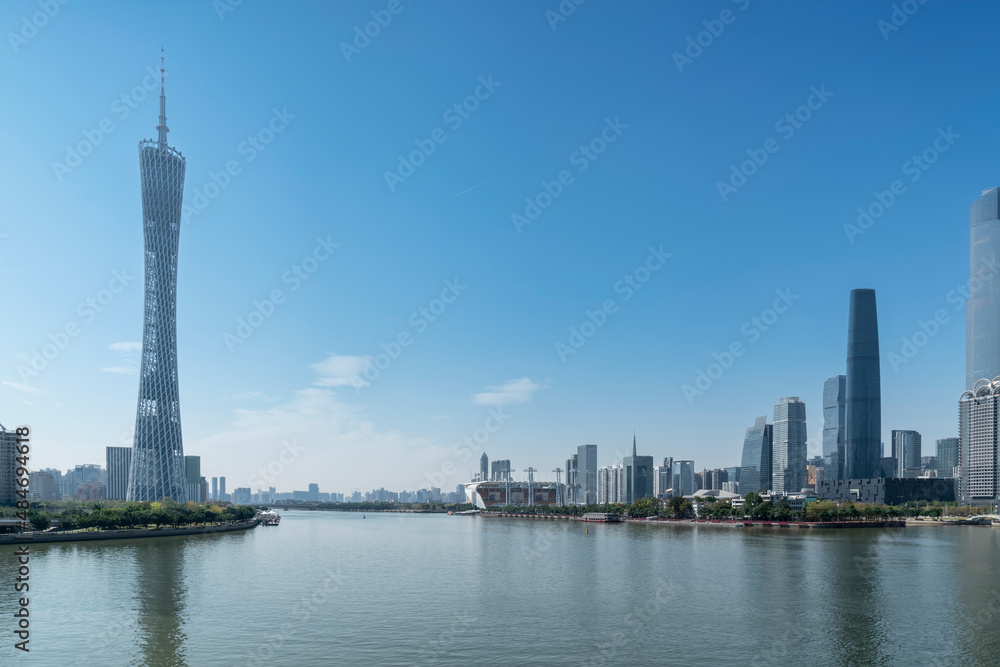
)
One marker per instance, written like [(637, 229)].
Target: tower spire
[(162, 127), (633, 445)]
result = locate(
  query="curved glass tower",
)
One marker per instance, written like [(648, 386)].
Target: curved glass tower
[(755, 469), (982, 327), (157, 468), (863, 449)]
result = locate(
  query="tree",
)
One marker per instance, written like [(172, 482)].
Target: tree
[(39, 520), (643, 507), (783, 511), (750, 501)]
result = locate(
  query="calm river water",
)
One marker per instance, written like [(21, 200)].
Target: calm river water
[(331, 588)]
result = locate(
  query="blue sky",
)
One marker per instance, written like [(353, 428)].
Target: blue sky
[(668, 131)]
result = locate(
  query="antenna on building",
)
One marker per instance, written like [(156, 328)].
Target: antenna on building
[(162, 127)]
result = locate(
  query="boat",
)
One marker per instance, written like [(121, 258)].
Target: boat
[(269, 518)]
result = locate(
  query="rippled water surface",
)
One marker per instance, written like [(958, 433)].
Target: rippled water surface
[(331, 588)]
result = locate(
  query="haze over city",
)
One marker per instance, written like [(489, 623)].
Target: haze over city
[(303, 205)]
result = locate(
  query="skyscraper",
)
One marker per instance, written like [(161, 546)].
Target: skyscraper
[(158, 454), (755, 466), (789, 474), (8, 466), (982, 312), (638, 476), (484, 467), (978, 423), (906, 451), (215, 488), (863, 446), (834, 413), (500, 470), (586, 456), (947, 457), (683, 478), (118, 460), (192, 478), (222, 489)]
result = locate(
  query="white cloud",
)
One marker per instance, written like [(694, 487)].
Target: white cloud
[(125, 347), (28, 403), (341, 370), (512, 391), (253, 396), (124, 370), (22, 387)]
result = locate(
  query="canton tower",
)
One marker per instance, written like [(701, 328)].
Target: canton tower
[(158, 455)]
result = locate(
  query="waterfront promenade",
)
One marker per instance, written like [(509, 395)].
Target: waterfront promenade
[(130, 534)]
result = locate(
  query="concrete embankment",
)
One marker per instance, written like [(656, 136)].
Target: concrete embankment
[(40, 538)]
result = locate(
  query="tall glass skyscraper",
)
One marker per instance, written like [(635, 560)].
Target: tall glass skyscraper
[(982, 313), (755, 466), (157, 467), (586, 474), (947, 457), (834, 426), (906, 451), (789, 449), (863, 448)]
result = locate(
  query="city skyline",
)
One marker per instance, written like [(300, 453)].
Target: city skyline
[(439, 240)]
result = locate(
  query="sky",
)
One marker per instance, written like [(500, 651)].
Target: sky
[(502, 227)]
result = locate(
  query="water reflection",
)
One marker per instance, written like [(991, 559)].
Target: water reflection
[(159, 601)]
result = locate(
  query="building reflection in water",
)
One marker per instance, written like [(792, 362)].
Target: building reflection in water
[(160, 601)]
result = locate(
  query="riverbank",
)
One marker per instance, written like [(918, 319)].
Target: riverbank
[(895, 523), (89, 536)]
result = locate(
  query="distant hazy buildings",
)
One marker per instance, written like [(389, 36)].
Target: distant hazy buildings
[(586, 474), (484, 467), (789, 453), (755, 468), (42, 485), (864, 389), (834, 426), (118, 460), (638, 473), (215, 488), (499, 470), (222, 489), (978, 460), (906, 451), (947, 457), (982, 311)]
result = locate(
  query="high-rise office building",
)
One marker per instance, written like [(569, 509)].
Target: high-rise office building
[(158, 451), (834, 426), (683, 478), (500, 470), (222, 489), (947, 457), (586, 456), (215, 488), (42, 486), (8, 466), (982, 311), (978, 459), (906, 451), (755, 468), (192, 478), (863, 443), (638, 476), (609, 484), (662, 479), (572, 484), (789, 473), (484, 467), (118, 460)]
